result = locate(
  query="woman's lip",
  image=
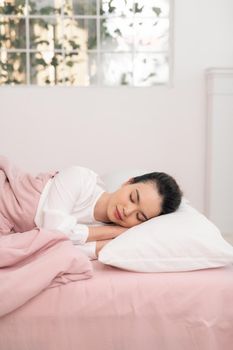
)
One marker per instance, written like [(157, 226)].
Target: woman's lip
[(117, 214)]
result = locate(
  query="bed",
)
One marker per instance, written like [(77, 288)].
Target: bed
[(122, 310), (53, 298)]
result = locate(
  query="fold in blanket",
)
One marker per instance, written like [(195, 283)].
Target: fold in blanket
[(34, 260)]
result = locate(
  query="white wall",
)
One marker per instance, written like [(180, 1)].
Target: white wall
[(115, 128)]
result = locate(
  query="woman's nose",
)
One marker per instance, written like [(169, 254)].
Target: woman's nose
[(131, 208)]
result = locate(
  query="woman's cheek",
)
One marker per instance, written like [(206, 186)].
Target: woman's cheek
[(130, 223)]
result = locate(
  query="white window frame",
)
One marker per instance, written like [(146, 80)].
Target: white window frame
[(98, 50)]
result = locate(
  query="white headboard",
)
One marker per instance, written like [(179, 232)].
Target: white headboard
[(219, 174)]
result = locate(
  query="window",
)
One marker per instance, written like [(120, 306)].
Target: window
[(84, 42)]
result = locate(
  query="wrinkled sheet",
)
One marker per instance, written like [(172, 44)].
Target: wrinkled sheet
[(121, 310), (35, 260)]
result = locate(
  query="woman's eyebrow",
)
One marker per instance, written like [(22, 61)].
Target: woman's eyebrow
[(138, 199)]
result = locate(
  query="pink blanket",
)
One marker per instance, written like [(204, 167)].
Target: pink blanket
[(19, 196), (31, 259), (35, 260)]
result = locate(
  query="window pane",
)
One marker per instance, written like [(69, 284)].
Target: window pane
[(12, 7), (80, 69), (80, 34), (12, 68), (150, 8), (84, 7), (46, 68), (117, 34), (142, 8), (133, 42), (116, 69), (45, 33), (120, 34), (45, 7), (151, 35), (12, 33), (116, 7), (150, 69)]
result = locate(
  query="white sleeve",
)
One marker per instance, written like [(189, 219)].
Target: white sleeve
[(66, 190)]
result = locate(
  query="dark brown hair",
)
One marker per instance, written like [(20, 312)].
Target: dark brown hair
[(167, 188)]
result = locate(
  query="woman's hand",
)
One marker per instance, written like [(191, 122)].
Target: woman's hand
[(100, 245), (100, 233)]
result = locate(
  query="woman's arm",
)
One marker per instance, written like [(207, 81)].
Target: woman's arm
[(100, 245), (103, 233), (69, 188), (98, 237)]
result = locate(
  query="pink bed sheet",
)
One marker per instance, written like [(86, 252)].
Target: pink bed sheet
[(121, 310)]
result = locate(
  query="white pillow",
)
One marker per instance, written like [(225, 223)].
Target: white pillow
[(181, 241)]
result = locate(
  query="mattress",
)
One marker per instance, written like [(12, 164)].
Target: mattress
[(122, 310)]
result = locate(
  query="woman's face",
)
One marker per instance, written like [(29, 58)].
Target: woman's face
[(133, 204)]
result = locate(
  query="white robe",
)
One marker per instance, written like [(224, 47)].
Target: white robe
[(67, 204)]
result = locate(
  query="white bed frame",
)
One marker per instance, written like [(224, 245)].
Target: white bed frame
[(219, 172)]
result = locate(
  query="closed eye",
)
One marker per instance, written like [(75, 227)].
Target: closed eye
[(138, 218)]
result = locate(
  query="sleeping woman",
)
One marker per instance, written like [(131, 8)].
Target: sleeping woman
[(74, 200)]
